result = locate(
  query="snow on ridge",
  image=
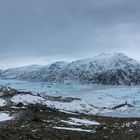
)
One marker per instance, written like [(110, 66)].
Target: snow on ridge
[(16, 73), (26, 68), (109, 60)]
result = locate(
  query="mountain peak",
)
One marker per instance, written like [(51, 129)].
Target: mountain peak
[(110, 55), (107, 58)]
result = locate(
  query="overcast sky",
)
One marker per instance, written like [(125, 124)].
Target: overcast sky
[(44, 31)]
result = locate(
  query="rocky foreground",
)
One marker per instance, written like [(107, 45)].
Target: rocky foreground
[(26, 115)]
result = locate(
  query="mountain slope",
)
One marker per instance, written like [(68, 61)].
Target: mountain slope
[(51, 72), (34, 72), (20, 72), (110, 69)]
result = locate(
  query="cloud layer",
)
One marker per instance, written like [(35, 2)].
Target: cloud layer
[(42, 31)]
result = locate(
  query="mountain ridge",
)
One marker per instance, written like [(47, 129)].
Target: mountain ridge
[(108, 69)]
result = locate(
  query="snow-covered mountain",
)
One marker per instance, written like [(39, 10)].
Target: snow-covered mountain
[(50, 73), (20, 72), (111, 69), (35, 72)]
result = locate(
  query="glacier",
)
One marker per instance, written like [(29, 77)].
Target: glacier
[(106, 100)]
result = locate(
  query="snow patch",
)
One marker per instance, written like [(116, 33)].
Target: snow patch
[(79, 122), (27, 99), (84, 121), (2, 102), (73, 129), (74, 106), (71, 123), (5, 117)]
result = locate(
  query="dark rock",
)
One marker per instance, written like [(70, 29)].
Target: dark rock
[(20, 104)]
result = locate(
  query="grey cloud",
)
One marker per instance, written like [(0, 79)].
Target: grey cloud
[(68, 29)]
